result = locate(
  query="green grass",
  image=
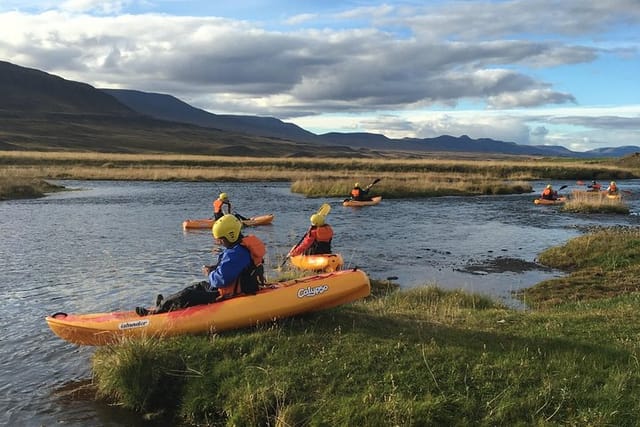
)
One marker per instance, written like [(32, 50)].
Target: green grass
[(414, 357)]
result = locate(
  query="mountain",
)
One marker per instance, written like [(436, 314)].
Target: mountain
[(168, 107), (40, 111), (45, 112)]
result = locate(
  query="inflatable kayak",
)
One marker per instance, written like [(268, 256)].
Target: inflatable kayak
[(208, 222), (319, 262), (558, 201), (374, 201), (274, 301)]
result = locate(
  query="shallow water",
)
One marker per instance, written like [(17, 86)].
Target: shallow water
[(113, 245)]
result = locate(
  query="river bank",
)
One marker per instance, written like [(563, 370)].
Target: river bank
[(423, 356)]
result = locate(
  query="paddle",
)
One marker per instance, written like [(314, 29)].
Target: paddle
[(375, 181), (324, 211)]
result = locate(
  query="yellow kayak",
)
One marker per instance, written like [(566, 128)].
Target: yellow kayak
[(374, 201), (319, 262), (208, 222), (276, 300)]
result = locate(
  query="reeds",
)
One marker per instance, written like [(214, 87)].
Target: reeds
[(595, 202)]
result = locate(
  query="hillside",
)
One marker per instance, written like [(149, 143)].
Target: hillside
[(40, 111)]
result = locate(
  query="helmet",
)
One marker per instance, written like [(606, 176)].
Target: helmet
[(549, 186), (357, 184), (317, 220), (223, 196), (613, 183), (228, 227)]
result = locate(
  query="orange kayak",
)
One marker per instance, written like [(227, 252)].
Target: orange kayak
[(274, 301), (374, 201), (558, 201), (208, 222)]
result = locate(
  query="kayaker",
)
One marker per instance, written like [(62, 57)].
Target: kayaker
[(239, 270), (548, 193), (594, 186), (358, 193), (219, 203), (317, 240), (612, 189)]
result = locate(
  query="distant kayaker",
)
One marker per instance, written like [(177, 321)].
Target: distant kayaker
[(239, 270), (548, 193), (219, 203), (612, 188), (594, 186), (317, 240), (358, 193)]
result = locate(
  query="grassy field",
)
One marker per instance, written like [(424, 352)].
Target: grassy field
[(316, 177), (409, 358)]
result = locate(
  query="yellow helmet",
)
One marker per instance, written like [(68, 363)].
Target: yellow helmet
[(228, 227), (317, 220), (223, 196), (357, 184), (613, 183), (548, 185)]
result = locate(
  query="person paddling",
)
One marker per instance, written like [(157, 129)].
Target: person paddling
[(358, 193), (594, 186), (548, 193)]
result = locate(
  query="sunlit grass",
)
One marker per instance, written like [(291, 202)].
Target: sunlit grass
[(422, 356)]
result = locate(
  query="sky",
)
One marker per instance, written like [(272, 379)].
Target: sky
[(535, 72)]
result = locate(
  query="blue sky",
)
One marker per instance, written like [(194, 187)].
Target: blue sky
[(528, 71)]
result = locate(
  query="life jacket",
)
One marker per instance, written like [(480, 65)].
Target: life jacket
[(217, 208), (252, 276), (322, 243)]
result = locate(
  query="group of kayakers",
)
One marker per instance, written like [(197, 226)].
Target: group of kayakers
[(550, 194), (239, 268)]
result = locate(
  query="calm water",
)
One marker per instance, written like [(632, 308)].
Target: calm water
[(113, 245)]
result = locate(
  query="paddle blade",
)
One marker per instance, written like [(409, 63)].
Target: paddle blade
[(580, 182), (563, 187), (324, 209)]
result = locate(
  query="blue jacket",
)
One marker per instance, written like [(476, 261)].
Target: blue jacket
[(231, 262)]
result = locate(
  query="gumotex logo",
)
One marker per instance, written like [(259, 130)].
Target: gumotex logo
[(135, 324), (312, 291)]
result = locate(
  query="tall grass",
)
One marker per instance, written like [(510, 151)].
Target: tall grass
[(594, 202)]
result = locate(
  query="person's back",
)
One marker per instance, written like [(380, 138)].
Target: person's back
[(317, 240), (218, 204)]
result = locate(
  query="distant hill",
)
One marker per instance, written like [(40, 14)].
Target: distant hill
[(40, 111), (168, 107), (46, 112)]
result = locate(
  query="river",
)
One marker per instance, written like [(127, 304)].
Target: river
[(111, 245)]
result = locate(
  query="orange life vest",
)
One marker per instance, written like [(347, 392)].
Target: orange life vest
[(257, 250), (324, 233)]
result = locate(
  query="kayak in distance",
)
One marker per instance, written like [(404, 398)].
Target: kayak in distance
[(558, 201), (374, 201), (208, 222), (318, 262), (273, 301)]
